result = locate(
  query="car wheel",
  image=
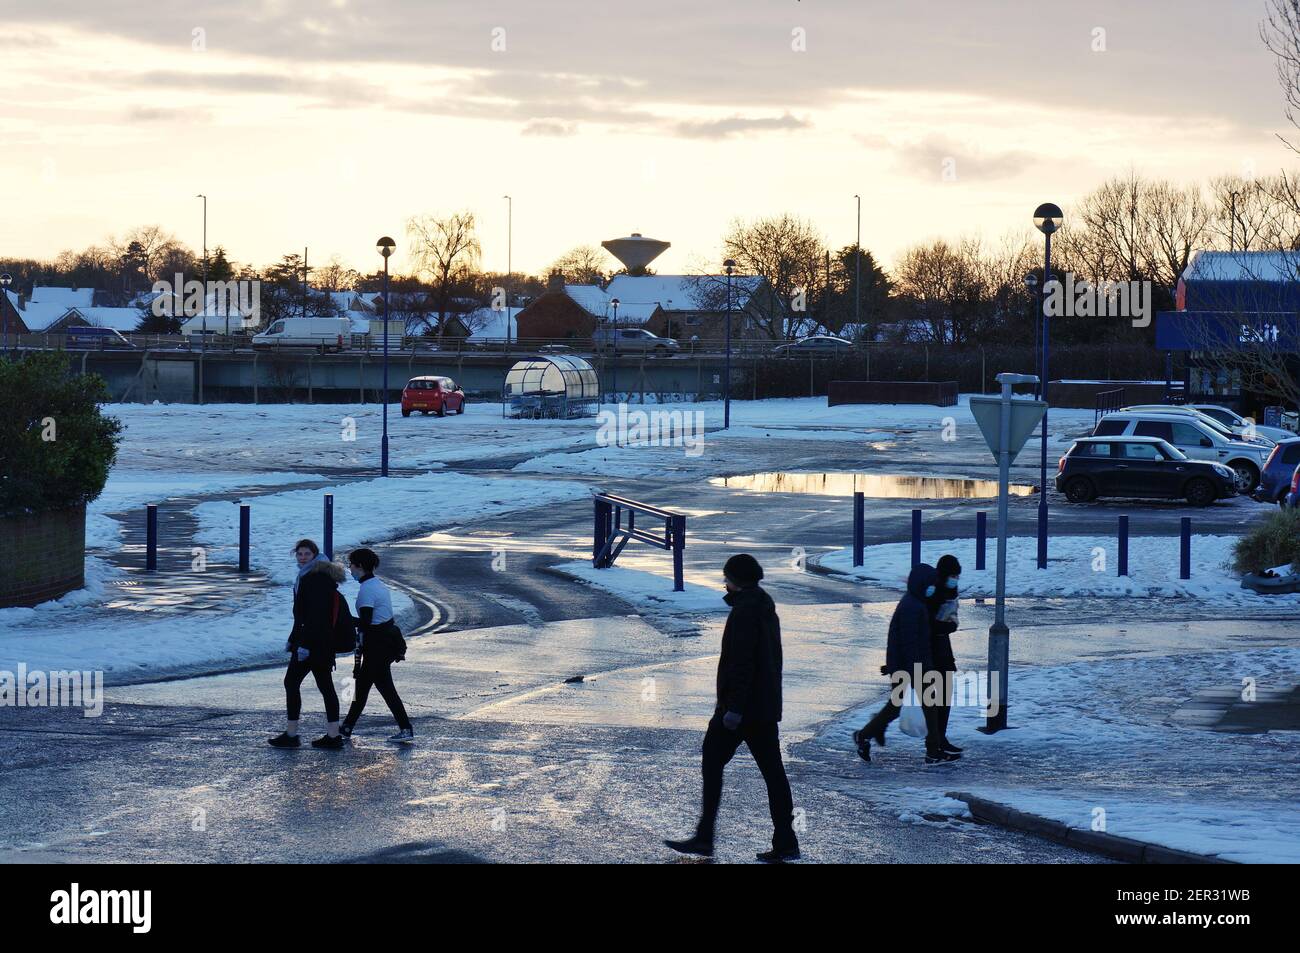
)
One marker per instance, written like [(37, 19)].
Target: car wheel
[(1080, 490), (1201, 492), (461, 408), (442, 410), (405, 412), (1246, 476)]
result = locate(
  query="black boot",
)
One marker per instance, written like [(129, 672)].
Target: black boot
[(698, 845), (864, 745), (949, 747), (940, 757)]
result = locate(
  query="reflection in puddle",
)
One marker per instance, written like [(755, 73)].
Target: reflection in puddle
[(878, 486)]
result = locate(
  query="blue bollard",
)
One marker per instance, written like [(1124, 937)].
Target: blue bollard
[(244, 518), (981, 537), (150, 537), (1123, 545), (859, 514), (1042, 534), (329, 526), (1185, 550), (916, 537), (678, 527)]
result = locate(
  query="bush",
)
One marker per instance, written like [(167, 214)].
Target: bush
[(1274, 541), (56, 448)]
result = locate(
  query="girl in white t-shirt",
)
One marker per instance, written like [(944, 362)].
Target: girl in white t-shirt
[(380, 645)]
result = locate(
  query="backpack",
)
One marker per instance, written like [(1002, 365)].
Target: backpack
[(343, 635)]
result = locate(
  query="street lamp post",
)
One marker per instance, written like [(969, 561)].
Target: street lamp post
[(5, 281), (510, 267), (385, 246), (203, 320), (613, 384), (857, 273), (1031, 285), (1047, 219), (730, 265)]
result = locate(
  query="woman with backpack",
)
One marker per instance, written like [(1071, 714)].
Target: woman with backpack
[(380, 646), (317, 605), (943, 623)]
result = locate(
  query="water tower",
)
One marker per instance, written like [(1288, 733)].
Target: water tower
[(635, 251)]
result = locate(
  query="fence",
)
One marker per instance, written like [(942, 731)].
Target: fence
[(610, 536)]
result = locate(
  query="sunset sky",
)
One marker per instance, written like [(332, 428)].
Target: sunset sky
[(327, 124)]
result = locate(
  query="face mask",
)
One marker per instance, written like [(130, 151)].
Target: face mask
[(356, 573), (955, 583), (929, 591)]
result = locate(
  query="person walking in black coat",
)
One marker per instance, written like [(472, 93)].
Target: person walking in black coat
[(943, 623), (748, 710), (316, 602), (909, 655)]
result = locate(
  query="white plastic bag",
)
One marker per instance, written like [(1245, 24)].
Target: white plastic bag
[(912, 720)]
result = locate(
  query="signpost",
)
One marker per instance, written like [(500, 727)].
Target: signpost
[(1006, 423)]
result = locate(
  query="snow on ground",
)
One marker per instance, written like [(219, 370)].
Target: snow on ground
[(1076, 566), (1090, 734), (99, 573), (144, 644), (369, 511), (647, 590)]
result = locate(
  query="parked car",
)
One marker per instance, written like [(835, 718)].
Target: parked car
[(1193, 437), (632, 340), (1239, 424), (815, 344), (96, 339), (435, 395), (1292, 499), (324, 334), (1184, 410), (1146, 467), (554, 349), (1279, 468)]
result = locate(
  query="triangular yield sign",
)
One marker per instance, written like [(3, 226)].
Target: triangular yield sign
[(1025, 416)]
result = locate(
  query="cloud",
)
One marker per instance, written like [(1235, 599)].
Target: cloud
[(549, 127), (739, 125), (934, 157)]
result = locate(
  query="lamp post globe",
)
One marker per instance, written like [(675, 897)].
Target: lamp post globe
[(385, 246)]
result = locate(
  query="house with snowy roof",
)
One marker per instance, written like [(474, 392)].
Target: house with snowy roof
[(36, 313)]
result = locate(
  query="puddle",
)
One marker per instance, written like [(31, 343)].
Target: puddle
[(874, 485)]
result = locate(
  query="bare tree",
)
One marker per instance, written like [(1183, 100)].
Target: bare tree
[(1281, 34), (583, 265), (1178, 222), (447, 250), (785, 255)]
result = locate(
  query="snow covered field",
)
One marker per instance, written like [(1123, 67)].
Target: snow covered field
[(1077, 566)]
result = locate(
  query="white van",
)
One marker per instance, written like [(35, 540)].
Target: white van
[(324, 334), (1194, 438)]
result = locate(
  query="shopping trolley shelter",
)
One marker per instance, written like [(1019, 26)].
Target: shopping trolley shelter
[(559, 585)]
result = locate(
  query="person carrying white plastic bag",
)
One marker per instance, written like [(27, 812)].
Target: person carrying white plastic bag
[(908, 656)]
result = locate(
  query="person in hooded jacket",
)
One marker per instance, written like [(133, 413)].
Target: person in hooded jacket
[(943, 623), (909, 653), (316, 599), (748, 710)]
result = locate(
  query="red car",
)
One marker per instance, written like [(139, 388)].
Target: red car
[(432, 395)]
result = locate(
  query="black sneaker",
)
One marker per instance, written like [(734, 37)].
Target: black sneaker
[(325, 741), (284, 740), (864, 745), (696, 845), (778, 855), (949, 747), (940, 757), (345, 730)]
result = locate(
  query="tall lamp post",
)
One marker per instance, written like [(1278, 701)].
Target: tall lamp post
[(203, 326), (857, 273), (730, 265), (613, 384), (1035, 312), (510, 267), (1047, 219), (385, 246), (5, 281)]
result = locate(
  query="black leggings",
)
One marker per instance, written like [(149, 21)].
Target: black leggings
[(377, 672), (720, 744), (936, 721), (293, 677)]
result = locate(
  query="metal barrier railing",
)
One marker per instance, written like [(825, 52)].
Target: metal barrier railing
[(610, 536)]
